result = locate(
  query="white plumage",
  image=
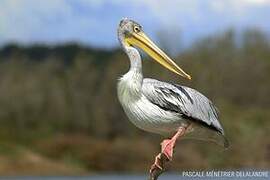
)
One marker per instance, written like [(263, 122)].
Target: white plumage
[(161, 107), (142, 112)]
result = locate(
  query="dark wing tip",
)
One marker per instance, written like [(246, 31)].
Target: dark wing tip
[(226, 143)]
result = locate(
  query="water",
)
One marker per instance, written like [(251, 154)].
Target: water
[(128, 177), (94, 177)]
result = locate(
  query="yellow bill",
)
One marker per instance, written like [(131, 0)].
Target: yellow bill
[(142, 41)]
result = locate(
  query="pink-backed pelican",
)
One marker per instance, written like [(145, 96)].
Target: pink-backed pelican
[(160, 107)]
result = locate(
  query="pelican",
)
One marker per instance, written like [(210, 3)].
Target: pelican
[(159, 107)]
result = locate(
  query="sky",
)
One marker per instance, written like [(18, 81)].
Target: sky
[(94, 22)]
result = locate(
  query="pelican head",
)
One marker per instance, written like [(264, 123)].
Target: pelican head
[(130, 34)]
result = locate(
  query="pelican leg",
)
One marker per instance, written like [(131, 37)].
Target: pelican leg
[(166, 154), (168, 145)]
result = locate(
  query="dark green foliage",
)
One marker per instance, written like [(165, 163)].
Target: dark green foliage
[(70, 89)]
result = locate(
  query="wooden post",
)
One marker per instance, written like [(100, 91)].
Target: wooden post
[(154, 174)]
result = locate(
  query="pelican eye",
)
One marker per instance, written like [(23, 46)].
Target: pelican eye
[(136, 29)]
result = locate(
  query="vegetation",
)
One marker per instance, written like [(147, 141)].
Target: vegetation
[(60, 104)]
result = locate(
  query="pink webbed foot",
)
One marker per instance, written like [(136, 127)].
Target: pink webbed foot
[(167, 147), (166, 154)]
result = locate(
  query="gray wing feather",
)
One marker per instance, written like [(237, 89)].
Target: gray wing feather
[(183, 100)]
